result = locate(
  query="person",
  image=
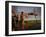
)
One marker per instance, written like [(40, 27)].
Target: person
[(17, 22), (13, 21), (22, 21), (26, 21)]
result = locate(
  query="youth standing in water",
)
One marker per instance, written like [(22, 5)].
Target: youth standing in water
[(17, 22), (26, 21), (22, 21)]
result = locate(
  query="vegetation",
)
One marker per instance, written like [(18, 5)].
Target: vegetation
[(32, 24)]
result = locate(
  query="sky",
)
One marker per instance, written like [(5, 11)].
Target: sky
[(28, 9)]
